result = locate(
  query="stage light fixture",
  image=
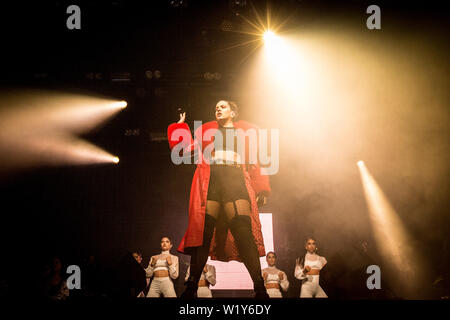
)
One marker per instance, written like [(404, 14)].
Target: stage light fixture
[(237, 4), (226, 25), (121, 77), (208, 76), (178, 3), (115, 159)]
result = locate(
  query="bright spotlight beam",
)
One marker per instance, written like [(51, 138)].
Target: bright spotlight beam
[(392, 239), (41, 128)]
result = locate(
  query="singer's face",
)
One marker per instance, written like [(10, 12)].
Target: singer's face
[(223, 111), (310, 245), (271, 259)]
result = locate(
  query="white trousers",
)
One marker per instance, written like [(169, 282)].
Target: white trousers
[(311, 288), (274, 293), (204, 292), (161, 286)]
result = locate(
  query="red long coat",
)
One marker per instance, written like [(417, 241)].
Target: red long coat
[(222, 247)]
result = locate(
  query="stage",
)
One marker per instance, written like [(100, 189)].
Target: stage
[(112, 116)]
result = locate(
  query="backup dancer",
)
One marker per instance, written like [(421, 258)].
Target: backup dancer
[(225, 193), (207, 278), (308, 269), (274, 279), (163, 268)]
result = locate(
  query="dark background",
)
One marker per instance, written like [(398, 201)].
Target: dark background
[(105, 210)]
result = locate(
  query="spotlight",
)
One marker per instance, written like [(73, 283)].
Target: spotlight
[(269, 36), (149, 74), (226, 25), (50, 131), (235, 5), (115, 160), (360, 163), (178, 3), (122, 104)]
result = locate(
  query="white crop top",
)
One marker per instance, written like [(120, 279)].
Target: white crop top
[(273, 277), (314, 261), (161, 264)]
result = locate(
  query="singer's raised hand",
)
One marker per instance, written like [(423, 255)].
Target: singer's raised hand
[(182, 117)]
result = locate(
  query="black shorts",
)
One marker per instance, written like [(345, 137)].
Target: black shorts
[(226, 184)]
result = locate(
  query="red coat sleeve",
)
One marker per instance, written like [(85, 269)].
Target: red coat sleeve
[(179, 133)]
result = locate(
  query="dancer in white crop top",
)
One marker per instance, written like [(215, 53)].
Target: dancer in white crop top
[(308, 271), (275, 280), (163, 268), (208, 277)]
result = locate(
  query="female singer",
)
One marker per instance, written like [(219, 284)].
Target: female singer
[(225, 193), (308, 271)]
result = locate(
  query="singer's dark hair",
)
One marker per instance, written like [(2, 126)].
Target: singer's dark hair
[(170, 240), (271, 252), (234, 107)]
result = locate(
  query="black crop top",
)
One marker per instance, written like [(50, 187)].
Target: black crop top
[(221, 136)]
